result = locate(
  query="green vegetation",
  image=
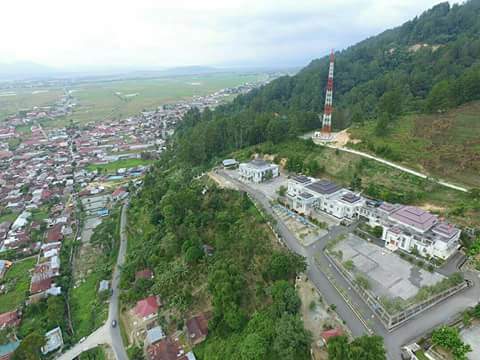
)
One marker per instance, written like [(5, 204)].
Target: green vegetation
[(247, 282), (444, 145), (30, 347), (8, 217), (377, 180), (362, 348), (119, 164), (17, 283), (89, 309), (449, 338), (94, 354)]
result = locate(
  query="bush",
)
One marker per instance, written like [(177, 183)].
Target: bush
[(349, 265), (362, 282)]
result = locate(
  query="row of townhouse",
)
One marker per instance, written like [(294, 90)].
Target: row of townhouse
[(404, 227)]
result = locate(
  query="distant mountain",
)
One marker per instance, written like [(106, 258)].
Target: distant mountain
[(191, 70), (23, 70)]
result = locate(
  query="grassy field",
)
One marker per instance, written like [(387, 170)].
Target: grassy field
[(99, 101), (119, 164), (443, 145), (114, 99), (8, 217), (88, 312), (377, 180), (17, 280), (21, 98)]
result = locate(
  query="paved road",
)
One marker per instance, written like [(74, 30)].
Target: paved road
[(358, 317), (396, 166), (106, 335)]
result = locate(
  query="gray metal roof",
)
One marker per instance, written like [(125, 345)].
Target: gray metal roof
[(301, 179), (323, 187), (155, 334), (350, 198)]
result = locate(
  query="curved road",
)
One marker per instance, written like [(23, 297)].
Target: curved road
[(333, 287), (106, 334)]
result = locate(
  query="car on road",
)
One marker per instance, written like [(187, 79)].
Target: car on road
[(82, 339), (114, 323)]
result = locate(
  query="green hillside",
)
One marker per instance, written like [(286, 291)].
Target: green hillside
[(427, 65), (444, 145)]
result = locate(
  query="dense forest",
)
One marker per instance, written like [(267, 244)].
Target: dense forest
[(245, 279), (428, 64)]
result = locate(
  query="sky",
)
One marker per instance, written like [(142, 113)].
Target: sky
[(158, 33)]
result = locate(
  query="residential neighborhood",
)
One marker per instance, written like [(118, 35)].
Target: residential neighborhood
[(56, 183)]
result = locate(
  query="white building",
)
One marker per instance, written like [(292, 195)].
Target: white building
[(54, 340), (409, 228), (404, 227), (308, 195), (258, 171)]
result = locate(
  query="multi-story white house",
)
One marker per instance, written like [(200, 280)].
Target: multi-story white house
[(258, 171), (408, 228), (307, 195), (404, 227)]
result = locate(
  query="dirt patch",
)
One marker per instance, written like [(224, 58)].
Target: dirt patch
[(222, 182), (432, 208), (343, 137), (317, 317)]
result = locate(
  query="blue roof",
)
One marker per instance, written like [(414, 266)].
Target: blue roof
[(9, 348)]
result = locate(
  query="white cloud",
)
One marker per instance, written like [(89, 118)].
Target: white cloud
[(170, 33)]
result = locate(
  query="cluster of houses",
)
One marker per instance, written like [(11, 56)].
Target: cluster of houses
[(62, 107), (40, 170), (157, 344), (408, 228)]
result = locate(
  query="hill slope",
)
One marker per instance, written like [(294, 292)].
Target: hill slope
[(445, 145), (428, 64)]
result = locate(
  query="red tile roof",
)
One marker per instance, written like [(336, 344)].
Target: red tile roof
[(197, 328), (166, 349), (146, 306), (55, 233), (326, 335), (144, 274), (10, 318), (41, 285)]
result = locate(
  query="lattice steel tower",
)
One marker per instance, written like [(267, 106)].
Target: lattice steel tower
[(327, 112)]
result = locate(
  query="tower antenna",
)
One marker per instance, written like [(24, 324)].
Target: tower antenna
[(328, 108)]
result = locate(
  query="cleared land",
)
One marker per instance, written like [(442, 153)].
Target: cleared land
[(444, 145), (17, 283)]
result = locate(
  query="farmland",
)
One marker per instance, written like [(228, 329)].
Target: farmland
[(115, 99)]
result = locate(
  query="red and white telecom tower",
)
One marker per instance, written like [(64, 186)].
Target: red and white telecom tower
[(327, 112)]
